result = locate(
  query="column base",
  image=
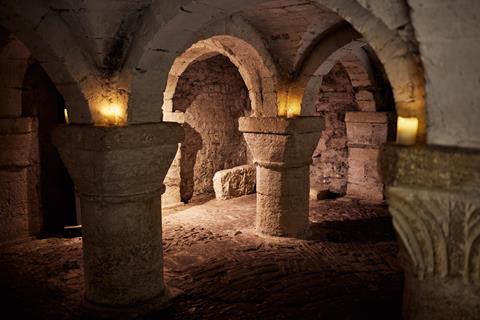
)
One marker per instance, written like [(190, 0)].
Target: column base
[(144, 308), (435, 299)]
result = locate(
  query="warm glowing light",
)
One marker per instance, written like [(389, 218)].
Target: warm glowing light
[(289, 103), (112, 114), (65, 113), (407, 130), (294, 106)]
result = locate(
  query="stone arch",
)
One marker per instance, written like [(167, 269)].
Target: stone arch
[(324, 55), (243, 56), (396, 52), (379, 29), (60, 56), (356, 122), (233, 38)]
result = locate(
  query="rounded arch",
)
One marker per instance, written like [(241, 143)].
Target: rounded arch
[(324, 55), (256, 76), (61, 57), (231, 37), (399, 57)]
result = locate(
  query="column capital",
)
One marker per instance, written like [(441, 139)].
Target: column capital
[(116, 162), (434, 197), (278, 143)]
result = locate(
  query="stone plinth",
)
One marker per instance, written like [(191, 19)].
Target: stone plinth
[(234, 182), (366, 132), (16, 160), (119, 172), (282, 150), (434, 198)]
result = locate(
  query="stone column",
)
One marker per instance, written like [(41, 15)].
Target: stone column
[(282, 150), (366, 132), (119, 172), (19, 216), (434, 197)]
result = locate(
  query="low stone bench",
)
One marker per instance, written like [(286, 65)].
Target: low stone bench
[(234, 182)]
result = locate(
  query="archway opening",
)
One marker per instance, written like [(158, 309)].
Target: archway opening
[(211, 96), (37, 195), (56, 192)]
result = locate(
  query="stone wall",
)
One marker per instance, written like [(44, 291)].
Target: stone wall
[(213, 96)]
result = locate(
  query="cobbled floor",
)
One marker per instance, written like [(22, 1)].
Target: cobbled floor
[(347, 269)]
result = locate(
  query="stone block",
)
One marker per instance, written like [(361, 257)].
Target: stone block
[(320, 193), (366, 128), (234, 182), (370, 192)]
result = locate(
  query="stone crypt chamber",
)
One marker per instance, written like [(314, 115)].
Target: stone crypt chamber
[(254, 159)]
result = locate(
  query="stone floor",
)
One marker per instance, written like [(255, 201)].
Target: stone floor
[(347, 270)]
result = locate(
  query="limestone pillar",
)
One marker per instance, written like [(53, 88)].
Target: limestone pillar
[(434, 197), (19, 216), (119, 172), (366, 132), (282, 150)]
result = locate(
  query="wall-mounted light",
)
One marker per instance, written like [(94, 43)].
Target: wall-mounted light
[(407, 130), (65, 114)]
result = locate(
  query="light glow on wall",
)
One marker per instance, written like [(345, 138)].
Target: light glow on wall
[(109, 107), (289, 102), (112, 113)]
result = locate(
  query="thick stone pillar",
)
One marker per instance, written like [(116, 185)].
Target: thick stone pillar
[(434, 198), (119, 172), (366, 132), (19, 216), (282, 150)]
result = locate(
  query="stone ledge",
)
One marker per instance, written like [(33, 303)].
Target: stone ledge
[(277, 125), (436, 167)]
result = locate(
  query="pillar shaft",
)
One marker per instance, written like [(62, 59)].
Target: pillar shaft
[(282, 150), (19, 216), (434, 197), (119, 172)]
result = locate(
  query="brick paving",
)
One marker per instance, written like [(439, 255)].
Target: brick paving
[(347, 269)]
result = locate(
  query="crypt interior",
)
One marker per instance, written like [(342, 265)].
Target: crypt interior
[(226, 159)]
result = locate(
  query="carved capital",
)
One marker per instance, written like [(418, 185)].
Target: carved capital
[(117, 162), (440, 231)]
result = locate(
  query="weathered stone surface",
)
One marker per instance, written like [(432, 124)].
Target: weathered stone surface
[(16, 142), (335, 97), (366, 128), (235, 182), (16, 161), (283, 158), (14, 204), (447, 168), (434, 199), (119, 174)]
